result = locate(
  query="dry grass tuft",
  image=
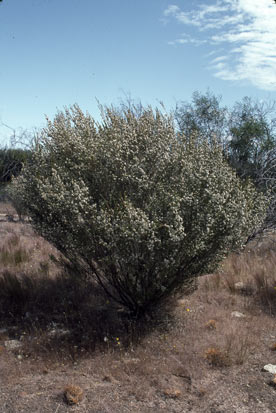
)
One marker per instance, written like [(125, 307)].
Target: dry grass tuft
[(172, 393), (217, 357), (211, 324), (12, 252), (238, 344), (253, 273), (73, 394)]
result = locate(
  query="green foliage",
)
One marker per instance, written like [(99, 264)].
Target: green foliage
[(253, 136), (247, 133), (203, 117), (133, 204), (11, 162)]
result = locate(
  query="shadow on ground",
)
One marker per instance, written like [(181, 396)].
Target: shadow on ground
[(68, 316)]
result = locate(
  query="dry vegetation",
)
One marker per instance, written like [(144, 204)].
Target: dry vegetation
[(77, 352)]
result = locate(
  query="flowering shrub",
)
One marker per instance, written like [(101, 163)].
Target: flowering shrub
[(133, 204)]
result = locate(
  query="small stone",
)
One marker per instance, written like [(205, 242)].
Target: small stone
[(20, 357), (12, 344), (58, 332), (245, 289), (237, 314), (239, 286), (271, 368), (133, 360)]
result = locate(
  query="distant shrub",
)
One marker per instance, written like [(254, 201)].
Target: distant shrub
[(11, 164), (14, 198), (133, 204)]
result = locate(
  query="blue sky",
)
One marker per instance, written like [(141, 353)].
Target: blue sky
[(55, 53)]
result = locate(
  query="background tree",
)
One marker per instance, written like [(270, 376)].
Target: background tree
[(251, 150), (252, 133), (12, 160), (11, 163), (247, 133), (203, 117)]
